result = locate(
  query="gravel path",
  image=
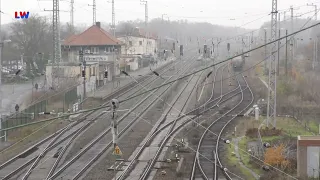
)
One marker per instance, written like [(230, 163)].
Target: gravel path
[(236, 150)]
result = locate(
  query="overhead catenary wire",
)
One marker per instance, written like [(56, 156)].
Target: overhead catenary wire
[(226, 60), (231, 58), (250, 154), (183, 114), (187, 75)]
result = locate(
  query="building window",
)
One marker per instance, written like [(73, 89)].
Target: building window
[(140, 43), (94, 50), (93, 71), (130, 43), (107, 49)]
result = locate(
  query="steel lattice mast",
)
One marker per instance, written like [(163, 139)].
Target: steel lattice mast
[(272, 94), (56, 32), (94, 11), (56, 43), (71, 14)]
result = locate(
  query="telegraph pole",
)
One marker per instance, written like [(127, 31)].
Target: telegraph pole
[(272, 93), (114, 35), (93, 11), (56, 38), (229, 68), (145, 3), (71, 14), (315, 39), (83, 73), (286, 63), (265, 52), (0, 64), (279, 42), (292, 37)]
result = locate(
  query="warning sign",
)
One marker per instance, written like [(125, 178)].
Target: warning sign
[(117, 151)]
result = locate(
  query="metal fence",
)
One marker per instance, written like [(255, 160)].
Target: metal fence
[(59, 102)]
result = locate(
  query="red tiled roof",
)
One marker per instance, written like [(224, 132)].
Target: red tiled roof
[(90, 37), (70, 38)]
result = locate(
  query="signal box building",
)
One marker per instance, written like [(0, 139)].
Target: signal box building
[(98, 46)]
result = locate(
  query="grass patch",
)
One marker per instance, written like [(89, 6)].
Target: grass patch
[(291, 127), (233, 161), (245, 157), (314, 127)]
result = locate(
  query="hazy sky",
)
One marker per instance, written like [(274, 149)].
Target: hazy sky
[(214, 11)]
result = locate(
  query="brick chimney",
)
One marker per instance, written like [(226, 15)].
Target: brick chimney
[(98, 24)]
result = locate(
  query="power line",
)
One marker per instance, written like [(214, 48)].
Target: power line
[(93, 11), (226, 60)]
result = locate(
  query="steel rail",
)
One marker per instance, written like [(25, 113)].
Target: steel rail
[(69, 163), (60, 132)]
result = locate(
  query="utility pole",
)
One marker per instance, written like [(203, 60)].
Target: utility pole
[(272, 93), (292, 37), (83, 73), (145, 3), (56, 39), (114, 35), (265, 52), (93, 11), (71, 14), (229, 66), (0, 64), (114, 106), (278, 59), (315, 39), (286, 63)]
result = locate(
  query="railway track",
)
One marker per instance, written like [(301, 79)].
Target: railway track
[(208, 164), (169, 129), (54, 143), (179, 102), (79, 163)]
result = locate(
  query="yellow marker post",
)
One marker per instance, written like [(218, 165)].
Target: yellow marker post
[(117, 151)]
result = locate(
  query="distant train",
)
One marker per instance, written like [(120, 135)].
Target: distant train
[(238, 63)]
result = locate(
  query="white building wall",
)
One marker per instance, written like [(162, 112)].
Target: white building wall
[(136, 47), (313, 161), (134, 65)]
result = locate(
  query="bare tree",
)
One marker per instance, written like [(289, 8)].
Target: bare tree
[(30, 36)]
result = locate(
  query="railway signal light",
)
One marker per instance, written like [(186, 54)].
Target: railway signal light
[(83, 73), (106, 74), (181, 50)]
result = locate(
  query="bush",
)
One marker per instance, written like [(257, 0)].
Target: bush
[(253, 132)]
